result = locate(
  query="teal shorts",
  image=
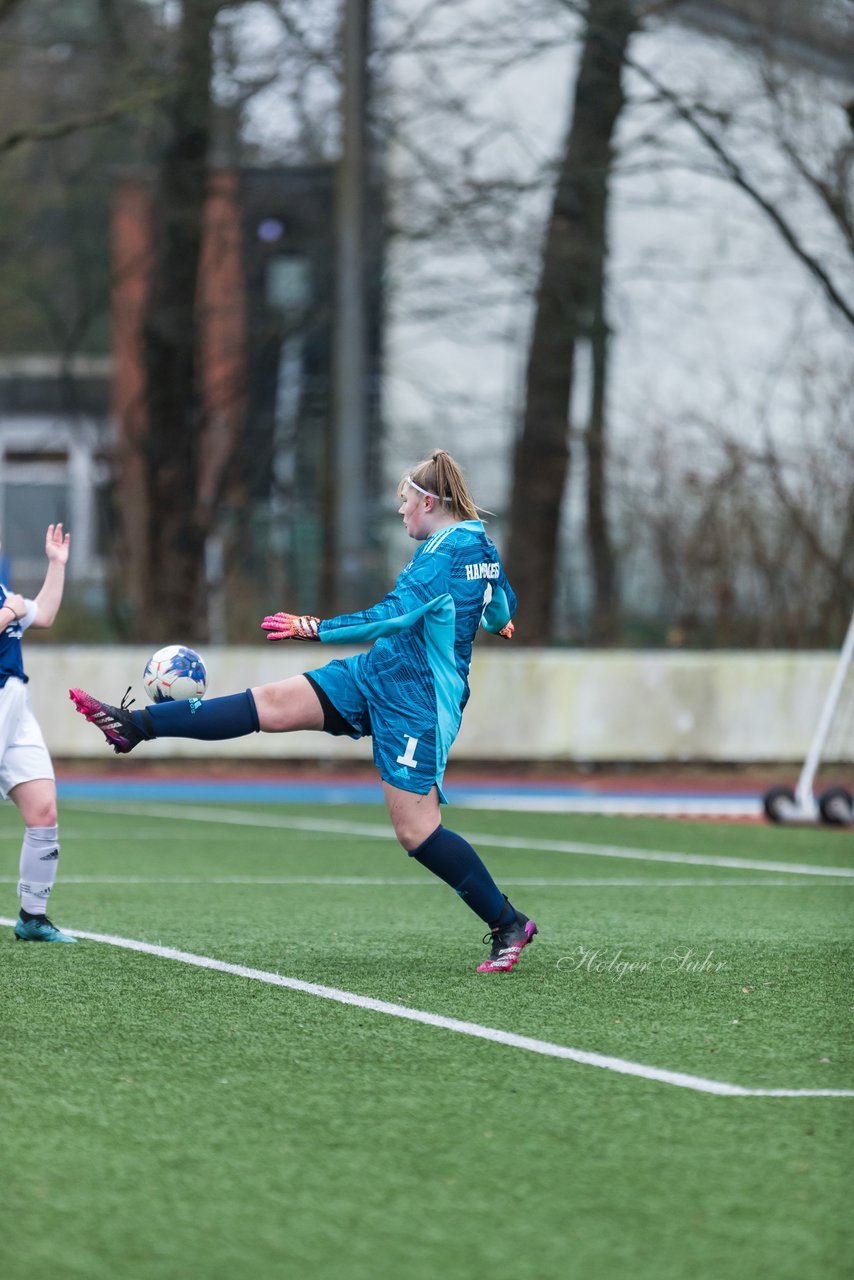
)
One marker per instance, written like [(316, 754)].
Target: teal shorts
[(405, 739)]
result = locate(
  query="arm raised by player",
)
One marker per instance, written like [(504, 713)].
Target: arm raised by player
[(49, 598), (291, 626), (399, 609)]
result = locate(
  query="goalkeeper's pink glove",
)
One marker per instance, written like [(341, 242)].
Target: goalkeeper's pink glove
[(291, 626), (507, 631)]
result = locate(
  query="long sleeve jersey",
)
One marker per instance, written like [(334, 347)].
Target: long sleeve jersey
[(423, 630)]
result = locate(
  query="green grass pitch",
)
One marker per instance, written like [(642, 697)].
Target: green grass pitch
[(166, 1122)]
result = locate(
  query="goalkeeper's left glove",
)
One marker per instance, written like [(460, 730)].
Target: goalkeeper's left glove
[(291, 626)]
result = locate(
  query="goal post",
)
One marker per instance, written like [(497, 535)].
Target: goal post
[(836, 805)]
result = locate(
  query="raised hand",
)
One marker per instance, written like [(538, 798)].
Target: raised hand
[(56, 544), (291, 626)]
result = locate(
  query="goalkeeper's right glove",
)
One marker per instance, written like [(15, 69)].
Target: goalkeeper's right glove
[(291, 626)]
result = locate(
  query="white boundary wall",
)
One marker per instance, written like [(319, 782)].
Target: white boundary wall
[(537, 705)]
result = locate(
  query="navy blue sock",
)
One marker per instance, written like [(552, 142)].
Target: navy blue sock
[(211, 719), (453, 860)]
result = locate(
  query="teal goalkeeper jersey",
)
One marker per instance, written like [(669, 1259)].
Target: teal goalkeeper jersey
[(422, 632)]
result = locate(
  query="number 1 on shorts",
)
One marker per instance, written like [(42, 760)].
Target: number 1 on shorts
[(408, 757)]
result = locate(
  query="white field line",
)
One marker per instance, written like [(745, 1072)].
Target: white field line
[(620, 1065), (408, 882), (619, 806), (329, 826)]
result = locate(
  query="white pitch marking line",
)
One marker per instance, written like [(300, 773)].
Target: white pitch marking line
[(142, 837), (528, 882), (331, 827), (621, 806), (620, 1065)]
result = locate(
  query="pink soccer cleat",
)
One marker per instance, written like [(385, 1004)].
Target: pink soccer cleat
[(114, 722), (507, 945)]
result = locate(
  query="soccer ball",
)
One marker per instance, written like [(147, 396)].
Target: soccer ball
[(174, 673)]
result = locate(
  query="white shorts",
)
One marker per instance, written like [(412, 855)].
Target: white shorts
[(23, 754)]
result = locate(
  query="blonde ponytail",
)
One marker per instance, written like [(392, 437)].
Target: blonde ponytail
[(440, 476)]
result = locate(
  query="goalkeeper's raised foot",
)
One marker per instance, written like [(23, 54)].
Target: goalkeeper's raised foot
[(115, 723)]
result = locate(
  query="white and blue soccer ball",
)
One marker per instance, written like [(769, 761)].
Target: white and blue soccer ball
[(175, 673)]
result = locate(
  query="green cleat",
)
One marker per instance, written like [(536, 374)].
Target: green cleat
[(39, 929)]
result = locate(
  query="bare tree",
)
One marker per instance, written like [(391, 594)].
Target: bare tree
[(173, 582), (772, 210), (463, 207), (750, 549), (569, 305)]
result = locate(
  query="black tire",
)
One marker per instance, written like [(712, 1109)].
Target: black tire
[(836, 807), (771, 803)]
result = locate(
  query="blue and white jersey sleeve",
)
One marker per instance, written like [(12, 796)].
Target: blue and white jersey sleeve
[(11, 660), (28, 618)]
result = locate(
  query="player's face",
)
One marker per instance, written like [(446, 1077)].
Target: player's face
[(416, 520)]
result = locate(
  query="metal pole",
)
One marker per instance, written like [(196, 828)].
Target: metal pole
[(803, 791), (349, 471)]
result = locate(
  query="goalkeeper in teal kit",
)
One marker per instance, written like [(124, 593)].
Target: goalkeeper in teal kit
[(407, 692)]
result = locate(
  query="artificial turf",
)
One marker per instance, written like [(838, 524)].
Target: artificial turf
[(164, 1121)]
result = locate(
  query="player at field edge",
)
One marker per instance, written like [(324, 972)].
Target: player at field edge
[(26, 769), (407, 691)]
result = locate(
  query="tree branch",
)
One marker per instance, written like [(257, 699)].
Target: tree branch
[(78, 124), (835, 564), (834, 199), (736, 174)]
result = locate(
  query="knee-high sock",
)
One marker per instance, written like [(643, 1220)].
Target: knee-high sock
[(39, 856), (453, 860), (212, 719)]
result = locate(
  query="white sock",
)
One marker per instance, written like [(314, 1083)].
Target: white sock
[(39, 856)]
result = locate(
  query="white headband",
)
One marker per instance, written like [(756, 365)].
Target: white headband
[(428, 493)]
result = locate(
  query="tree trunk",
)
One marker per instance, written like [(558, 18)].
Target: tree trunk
[(173, 590), (574, 252), (603, 623)]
